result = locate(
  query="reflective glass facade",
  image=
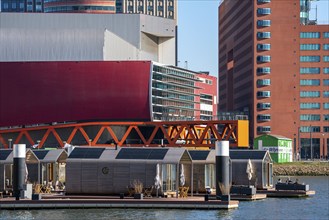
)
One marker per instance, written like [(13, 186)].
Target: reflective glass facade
[(309, 94), (310, 35), (309, 82), (173, 93), (309, 70), (309, 105), (310, 117), (310, 59), (309, 47)]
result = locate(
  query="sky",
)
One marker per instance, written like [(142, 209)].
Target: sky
[(198, 32)]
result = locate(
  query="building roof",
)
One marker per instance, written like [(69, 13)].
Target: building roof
[(51, 156), (131, 154), (210, 156), (6, 156), (275, 136), (247, 154)]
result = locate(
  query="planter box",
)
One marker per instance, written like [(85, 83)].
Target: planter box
[(243, 190), (287, 186), (36, 196), (225, 197), (138, 196)]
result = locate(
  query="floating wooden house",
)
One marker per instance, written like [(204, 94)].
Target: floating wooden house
[(50, 167), (108, 171), (204, 174), (6, 167), (262, 167), (204, 170)]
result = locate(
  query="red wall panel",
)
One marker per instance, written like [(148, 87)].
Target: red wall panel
[(44, 92)]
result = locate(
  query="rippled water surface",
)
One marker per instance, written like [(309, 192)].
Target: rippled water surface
[(314, 207)]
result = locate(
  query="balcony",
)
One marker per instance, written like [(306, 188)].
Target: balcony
[(263, 11), (263, 47), (263, 1), (264, 106), (263, 70), (263, 94), (264, 59), (264, 23), (263, 117), (264, 129), (263, 82), (263, 35)]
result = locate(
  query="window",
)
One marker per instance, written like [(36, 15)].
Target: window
[(308, 129), (309, 58), (264, 117), (263, 11), (309, 117), (309, 47), (309, 94), (326, 82), (326, 70), (325, 34), (325, 58), (264, 129), (263, 23), (325, 46), (203, 96), (309, 82), (309, 70), (326, 105), (263, 94), (263, 70), (263, 1), (263, 82), (326, 94), (325, 117), (307, 105), (326, 129), (263, 105), (309, 34), (5, 5), (264, 59), (263, 46), (263, 35)]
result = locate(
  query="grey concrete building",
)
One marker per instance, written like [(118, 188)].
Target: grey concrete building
[(86, 37)]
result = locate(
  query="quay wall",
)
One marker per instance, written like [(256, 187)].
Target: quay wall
[(313, 168)]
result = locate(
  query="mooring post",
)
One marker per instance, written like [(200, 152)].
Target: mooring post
[(223, 170), (19, 169)]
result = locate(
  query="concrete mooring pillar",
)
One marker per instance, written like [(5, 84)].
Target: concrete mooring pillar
[(19, 152), (223, 170)]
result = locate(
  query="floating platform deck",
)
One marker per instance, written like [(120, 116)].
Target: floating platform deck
[(257, 196), (80, 202), (287, 193)]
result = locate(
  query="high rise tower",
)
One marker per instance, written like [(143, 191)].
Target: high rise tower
[(273, 64)]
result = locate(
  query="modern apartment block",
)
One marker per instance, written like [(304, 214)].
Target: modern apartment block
[(21, 5), (160, 8), (207, 96), (273, 65), (80, 6)]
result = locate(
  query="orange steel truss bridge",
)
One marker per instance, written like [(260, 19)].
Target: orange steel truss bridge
[(172, 134)]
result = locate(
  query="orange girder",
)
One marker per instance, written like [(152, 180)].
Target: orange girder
[(175, 133)]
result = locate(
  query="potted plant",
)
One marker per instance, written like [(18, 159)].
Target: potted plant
[(138, 186)]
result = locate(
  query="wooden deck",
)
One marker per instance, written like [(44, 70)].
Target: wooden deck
[(78, 202), (257, 196)]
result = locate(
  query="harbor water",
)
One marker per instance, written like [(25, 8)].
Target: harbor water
[(313, 207)]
